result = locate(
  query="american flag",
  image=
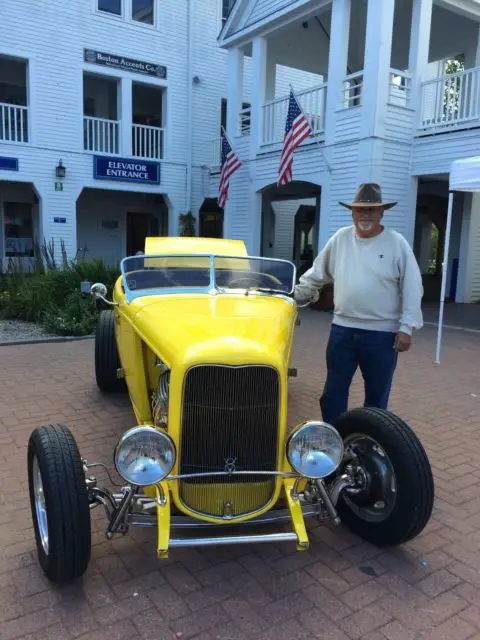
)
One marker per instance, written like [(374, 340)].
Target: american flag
[(297, 129), (230, 163)]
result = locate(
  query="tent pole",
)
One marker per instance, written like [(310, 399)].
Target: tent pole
[(444, 274)]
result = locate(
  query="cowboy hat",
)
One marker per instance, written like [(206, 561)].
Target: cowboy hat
[(368, 194)]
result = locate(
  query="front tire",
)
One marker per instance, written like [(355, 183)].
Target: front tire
[(107, 361), (59, 503), (397, 498)]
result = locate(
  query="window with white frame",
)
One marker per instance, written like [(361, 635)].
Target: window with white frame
[(143, 11), (114, 7), (135, 11)]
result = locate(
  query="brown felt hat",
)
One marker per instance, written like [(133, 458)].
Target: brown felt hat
[(368, 194)]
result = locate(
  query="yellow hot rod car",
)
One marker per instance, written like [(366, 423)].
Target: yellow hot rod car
[(201, 334)]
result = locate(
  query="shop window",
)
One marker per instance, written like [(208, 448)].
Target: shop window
[(18, 228)]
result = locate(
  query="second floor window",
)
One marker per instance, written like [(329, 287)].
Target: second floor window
[(110, 6), (131, 10), (226, 8), (143, 11)]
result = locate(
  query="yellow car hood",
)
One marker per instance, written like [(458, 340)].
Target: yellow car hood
[(231, 329)]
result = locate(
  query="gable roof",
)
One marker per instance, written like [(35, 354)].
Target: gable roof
[(250, 16)]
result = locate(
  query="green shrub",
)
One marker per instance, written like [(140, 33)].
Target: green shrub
[(50, 293), (76, 318)]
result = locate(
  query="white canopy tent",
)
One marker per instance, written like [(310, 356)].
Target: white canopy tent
[(464, 176)]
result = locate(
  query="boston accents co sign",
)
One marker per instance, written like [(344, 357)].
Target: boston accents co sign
[(126, 170), (127, 64)]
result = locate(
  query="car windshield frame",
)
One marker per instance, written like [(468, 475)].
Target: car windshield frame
[(212, 287)]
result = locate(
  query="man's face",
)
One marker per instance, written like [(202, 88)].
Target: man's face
[(367, 220)]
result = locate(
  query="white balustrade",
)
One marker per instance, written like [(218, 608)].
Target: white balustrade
[(13, 123), (451, 101), (312, 102), (148, 142), (352, 90), (100, 135), (216, 150), (399, 88)]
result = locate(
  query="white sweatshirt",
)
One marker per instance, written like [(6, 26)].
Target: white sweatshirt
[(377, 281)]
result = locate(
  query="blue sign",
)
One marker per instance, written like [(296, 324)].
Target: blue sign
[(8, 164), (126, 170), (60, 220)]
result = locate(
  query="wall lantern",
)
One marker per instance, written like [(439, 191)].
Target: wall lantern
[(60, 170)]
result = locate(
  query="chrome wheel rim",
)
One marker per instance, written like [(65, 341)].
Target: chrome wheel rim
[(375, 496), (40, 506)]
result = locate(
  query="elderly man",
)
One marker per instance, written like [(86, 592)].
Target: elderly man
[(377, 302)]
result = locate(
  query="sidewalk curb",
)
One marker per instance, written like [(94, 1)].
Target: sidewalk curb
[(452, 326), (42, 340)]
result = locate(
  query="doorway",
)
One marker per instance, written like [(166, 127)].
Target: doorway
[(139, 227), (211, 219)]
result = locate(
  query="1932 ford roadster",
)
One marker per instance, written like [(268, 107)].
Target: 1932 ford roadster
[(200, 334)]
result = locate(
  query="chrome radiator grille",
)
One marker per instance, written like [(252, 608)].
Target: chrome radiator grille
[(229, 422)]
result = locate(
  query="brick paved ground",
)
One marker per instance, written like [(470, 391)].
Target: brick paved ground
[(340, 589)]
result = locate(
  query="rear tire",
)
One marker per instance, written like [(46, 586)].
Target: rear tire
[(384, 441), (107, 360), (59, 503)]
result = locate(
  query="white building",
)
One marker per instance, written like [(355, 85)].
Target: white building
[(128, 96), (384, 110)]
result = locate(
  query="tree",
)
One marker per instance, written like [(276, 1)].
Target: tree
[(453, 84)]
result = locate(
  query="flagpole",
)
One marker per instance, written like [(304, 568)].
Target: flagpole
[(322, 148), (226, 137)]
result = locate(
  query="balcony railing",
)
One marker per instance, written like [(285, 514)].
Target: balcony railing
[(245, 116), (148, 142), (352, 90), (216, 152), (451, 101), (399, 88), (312, 102), (13, 123), (101, 135)]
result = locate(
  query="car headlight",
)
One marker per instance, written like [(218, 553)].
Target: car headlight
[(315, 450), (144, 456)]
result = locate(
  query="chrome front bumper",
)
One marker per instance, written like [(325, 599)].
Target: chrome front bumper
[(129, 508)]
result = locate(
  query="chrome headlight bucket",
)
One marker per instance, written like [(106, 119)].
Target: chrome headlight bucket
[(315, 450), (144, 456)]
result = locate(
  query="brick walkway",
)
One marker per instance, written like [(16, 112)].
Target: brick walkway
[(340, 589)]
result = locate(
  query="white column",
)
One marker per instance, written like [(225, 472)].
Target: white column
[(337, 70), (337, 62), (235, 91), (376, 68), (254, 239), (126, 98), (477, 51), (419, 46), (259, 92)]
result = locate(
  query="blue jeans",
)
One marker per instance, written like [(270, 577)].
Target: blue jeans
[(347, 349)]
